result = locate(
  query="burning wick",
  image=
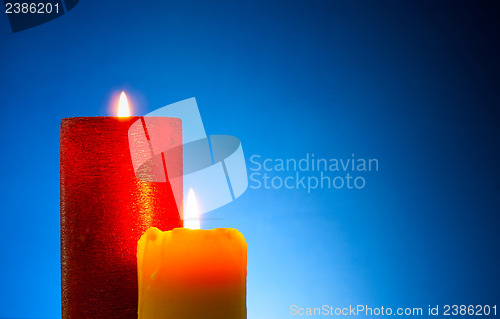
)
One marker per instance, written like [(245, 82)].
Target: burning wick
[(123, 108), (191, 212)]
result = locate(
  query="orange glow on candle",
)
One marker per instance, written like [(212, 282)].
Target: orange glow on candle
[(192, 274), (189, 273)]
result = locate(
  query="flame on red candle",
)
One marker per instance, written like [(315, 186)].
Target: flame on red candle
[(191, 212), (123, 108)]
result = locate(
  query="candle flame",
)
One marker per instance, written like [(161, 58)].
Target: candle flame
[(191, 212), (123, 108)]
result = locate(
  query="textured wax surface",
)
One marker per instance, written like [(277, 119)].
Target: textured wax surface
[(104, 211)]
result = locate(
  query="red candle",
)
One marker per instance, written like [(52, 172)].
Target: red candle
[(105, 209)]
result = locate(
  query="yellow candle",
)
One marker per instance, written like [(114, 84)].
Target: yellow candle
[(192, 273)]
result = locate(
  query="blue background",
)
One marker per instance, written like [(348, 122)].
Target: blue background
[(414, 84)]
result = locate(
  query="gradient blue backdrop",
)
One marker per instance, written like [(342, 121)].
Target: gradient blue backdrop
[(412, 83)]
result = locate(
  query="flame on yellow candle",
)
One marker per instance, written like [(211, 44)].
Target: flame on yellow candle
[(191, 212), (123, 108)]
